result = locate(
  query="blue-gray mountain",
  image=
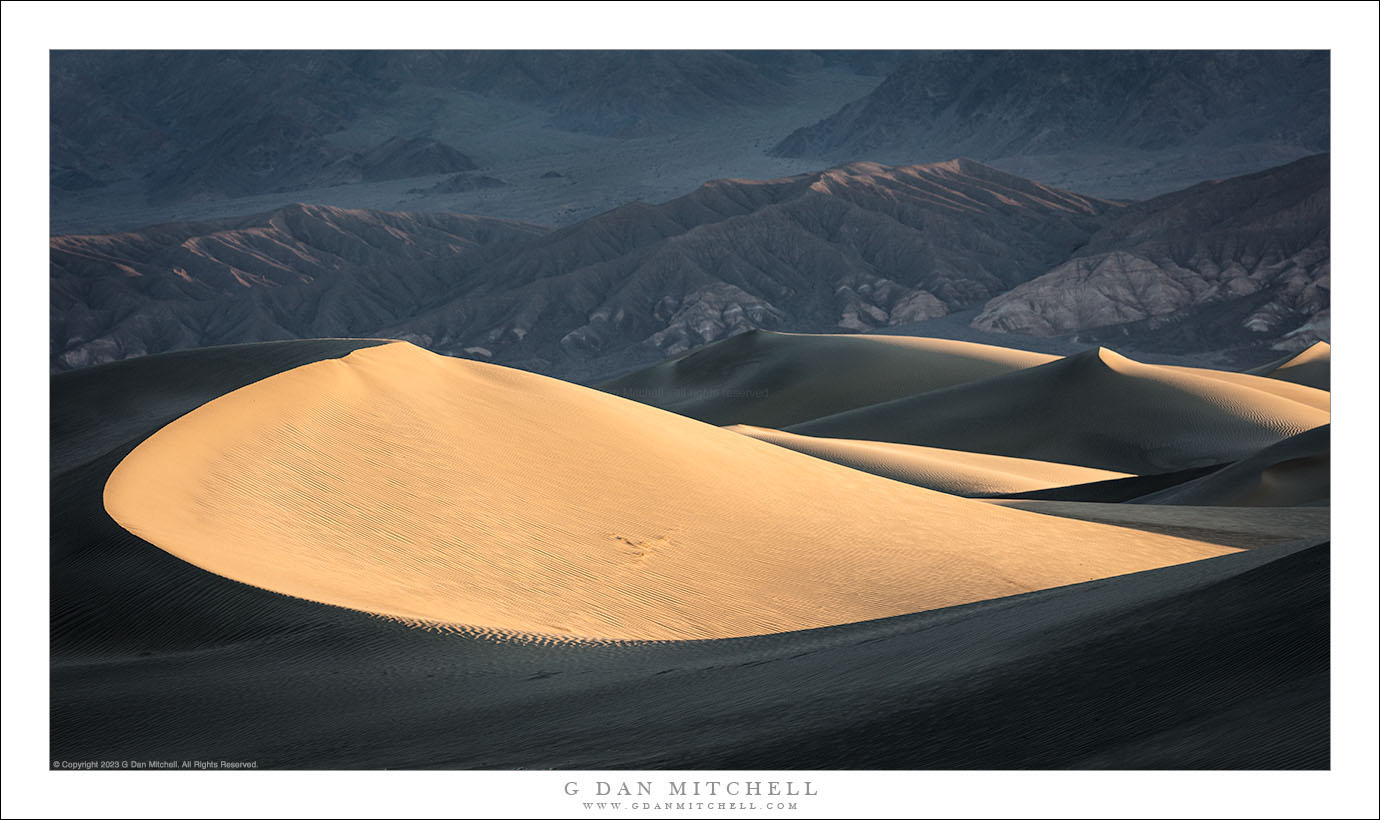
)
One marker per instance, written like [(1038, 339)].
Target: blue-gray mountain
[(196, 125), (1114, 123), (300, 271)]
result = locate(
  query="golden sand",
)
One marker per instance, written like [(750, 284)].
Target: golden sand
[(422, 487)]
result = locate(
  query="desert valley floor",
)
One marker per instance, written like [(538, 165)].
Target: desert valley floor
[(774, 551)]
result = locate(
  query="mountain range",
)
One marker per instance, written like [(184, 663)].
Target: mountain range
[(148, 137), (1258, 245), (195, 125), (1115, 123), (1239, 266), (299, 271)]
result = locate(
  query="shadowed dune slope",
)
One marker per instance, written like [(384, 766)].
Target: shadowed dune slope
[(402, 483), (1232, 673), (769, 379), (949, 471), (1244, 527), (1293, 472), (1096, 409), (1312, 367)]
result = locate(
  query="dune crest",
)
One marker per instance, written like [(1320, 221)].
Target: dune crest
[(412, 485), (948, 471)]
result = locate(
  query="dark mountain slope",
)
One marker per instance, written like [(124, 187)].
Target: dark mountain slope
[(1236, 266), (299, 271)]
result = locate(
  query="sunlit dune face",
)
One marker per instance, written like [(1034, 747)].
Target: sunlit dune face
[(432, 489)]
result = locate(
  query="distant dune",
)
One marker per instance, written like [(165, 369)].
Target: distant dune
[(776, 379), (1312, 367), (431, 489), (948, 471), (1096, 409)]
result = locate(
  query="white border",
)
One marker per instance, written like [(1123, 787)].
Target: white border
[(30, 29)]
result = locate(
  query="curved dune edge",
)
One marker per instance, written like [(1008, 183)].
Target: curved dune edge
[(955, 472), (437, 490)]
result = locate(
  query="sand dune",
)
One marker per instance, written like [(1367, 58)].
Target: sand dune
[(246, 674), (1293, 472), (1096, 409), (949, 471), (1312, 367), (771, 379), (403, 483), (1243, 527)]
